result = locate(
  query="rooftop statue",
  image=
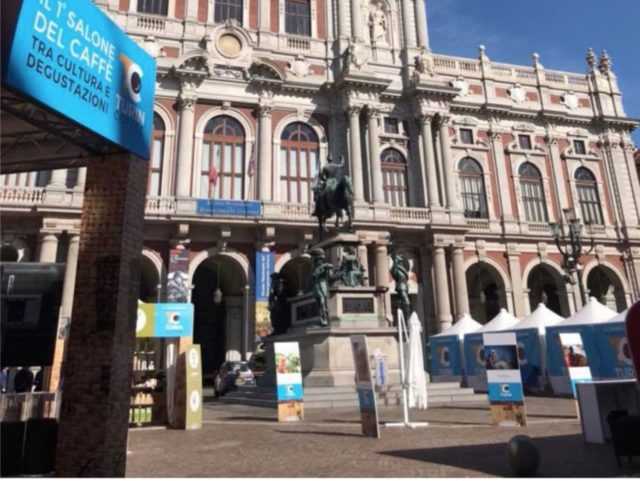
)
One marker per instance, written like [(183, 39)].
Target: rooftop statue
[(333, 195)]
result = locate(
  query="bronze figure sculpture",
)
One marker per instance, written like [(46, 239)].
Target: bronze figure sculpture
[(333, 195)]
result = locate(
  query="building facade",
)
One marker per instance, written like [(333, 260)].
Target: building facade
[(461, 164)]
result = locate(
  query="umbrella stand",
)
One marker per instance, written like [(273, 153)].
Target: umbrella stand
[(406, 423)]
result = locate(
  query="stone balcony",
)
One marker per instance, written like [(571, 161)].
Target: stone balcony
[(46, 201)]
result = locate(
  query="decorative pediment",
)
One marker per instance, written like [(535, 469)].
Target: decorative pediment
[(265, 70)]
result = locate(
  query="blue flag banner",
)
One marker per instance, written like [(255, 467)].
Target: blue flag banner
[(229, 208)]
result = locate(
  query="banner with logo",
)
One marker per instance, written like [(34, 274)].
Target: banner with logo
[(178, 287), (446, 358), (530, 357), (193, 376), (289, 381), (364, 386), (265, 266), (229, 208), (575, 358), (164, 320), (616, 361), (72, 58), (506, 395)]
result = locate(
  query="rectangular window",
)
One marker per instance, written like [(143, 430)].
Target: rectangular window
[(580, 147), (154, 7), (524, 142), (466, 136), (391, 126), (228, 10), (298, 17)]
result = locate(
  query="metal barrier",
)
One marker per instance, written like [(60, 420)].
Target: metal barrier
[(25, 406)]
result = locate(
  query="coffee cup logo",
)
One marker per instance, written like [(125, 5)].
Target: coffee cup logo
[(132, 78)]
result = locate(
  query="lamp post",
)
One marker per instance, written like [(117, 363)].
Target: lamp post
[(571, 248)]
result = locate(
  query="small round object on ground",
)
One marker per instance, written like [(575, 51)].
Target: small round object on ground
[(524, 457)]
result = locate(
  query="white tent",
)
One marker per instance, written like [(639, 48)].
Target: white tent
[(540, 319), (592, 313), (533, 364), (465, 325), (446, 347), (622, 317), (502, 322)]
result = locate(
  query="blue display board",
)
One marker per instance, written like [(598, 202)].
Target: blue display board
[(265, 266), (169, 320), (446, 358), (530, 356), (73, 59), (229, 208), (613, 351), (474, 355), (555, 361)]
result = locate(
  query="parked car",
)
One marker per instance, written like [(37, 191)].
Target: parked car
[(231, 375)]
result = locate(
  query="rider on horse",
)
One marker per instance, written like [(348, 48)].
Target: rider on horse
[(328, 181)]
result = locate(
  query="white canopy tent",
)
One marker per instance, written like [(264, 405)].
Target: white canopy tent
[(447, 353)]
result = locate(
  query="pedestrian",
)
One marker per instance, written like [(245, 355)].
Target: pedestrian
[(24, 380)]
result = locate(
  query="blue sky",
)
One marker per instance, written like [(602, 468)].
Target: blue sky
[(561, 31)]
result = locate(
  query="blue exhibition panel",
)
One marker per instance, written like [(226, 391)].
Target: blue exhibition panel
[(530, 357), (613, 351), (555, 361), (446, 357), (474, 364), (74, 60)]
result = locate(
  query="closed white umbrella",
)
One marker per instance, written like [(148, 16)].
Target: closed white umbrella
[(415, 376)]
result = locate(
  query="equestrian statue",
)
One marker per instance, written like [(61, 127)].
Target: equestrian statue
[(333, 195)]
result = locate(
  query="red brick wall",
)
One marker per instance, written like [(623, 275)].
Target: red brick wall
[(500, 259), (475, 89), (564, 172), (254, 6), (555, 99), (605, 191), (506, 140), (203, 10), (502, 93), (275, 15), (180, 8), (532, 96), (585, 103), (322, 15), (171, 52), (495, 188), (124, 5)]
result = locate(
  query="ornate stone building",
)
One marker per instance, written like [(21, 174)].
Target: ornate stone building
[(459, 163)]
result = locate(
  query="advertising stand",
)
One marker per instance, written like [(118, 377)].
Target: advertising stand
[(506, 394), (289, 381), (364, 386)]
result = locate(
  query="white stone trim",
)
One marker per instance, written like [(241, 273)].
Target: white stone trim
[(250, 140), (169, 167), (306, 118), (526, 272), (157, 262), (598, 263), (240, 259), (506, 280)]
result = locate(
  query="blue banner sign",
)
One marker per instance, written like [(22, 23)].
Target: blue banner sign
[(72, 58), (446, 359), (265, 266), (229, 208), (168, 320)]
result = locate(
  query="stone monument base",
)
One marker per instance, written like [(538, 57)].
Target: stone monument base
[(326, 356)]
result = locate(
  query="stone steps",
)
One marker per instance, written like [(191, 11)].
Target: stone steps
[(343, 397)]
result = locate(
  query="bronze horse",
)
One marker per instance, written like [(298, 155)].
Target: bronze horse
[(333, 195)]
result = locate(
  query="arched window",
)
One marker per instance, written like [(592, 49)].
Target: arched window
[(533, 199), (299, 162), (155, 7), (154, 187), (394, 178), (474, 196), (222, 164), (588, 197), (228, 10), (298, 17)]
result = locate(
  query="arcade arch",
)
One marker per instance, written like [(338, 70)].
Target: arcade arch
[(546, 285), (605, 285), (487, 292)]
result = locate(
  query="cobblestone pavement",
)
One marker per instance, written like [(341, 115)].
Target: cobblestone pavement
[(239, 441)]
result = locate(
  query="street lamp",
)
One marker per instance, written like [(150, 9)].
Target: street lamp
[(571, 248)]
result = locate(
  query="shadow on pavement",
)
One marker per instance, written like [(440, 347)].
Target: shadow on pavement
[(560, 456), (321, 433)]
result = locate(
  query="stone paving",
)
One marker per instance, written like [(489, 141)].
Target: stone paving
[(239, 441)]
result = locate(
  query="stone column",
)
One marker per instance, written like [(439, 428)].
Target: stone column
[(382, 276), (82, 179), (373, 117), (186, 104), (504, 197), (409, 30), (363, 257), (58, 178), (355, 153), (421, 22), (94, 413), (265, 16), (430, 160), (515, 271), (356, 21), (48, 248), (634, 257), (66, 306), (460, 280), (447, 165), (443, 300), (266, 153), (343, 16)]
